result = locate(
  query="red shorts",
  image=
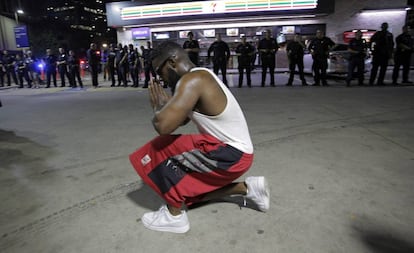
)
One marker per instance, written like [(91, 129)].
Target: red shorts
[(182, 168)]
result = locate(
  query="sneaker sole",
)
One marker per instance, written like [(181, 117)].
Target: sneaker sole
[(177, 230)]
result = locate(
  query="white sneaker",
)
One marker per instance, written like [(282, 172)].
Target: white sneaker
[(163, 220), (258, 192)]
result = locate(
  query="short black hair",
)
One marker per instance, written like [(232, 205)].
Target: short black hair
[(165, 50)]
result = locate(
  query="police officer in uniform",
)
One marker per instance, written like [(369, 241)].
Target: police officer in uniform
[(94, 58), (357, 48), (221, 55), (73, 64), (8, 62), (111, 63), (123, 66), (403, 55), (294, 50), (50, 67), (148, 69), (319, 48), (268, 47), (21, 71), (383, 46), (192, 47), (2, 70), (62, 66), (245, 52), (133, 61)]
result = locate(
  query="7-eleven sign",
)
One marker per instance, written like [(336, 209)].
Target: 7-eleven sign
[(214, 7)]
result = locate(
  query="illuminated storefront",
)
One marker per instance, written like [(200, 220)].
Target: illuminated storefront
[(230, 18), (159, 21)]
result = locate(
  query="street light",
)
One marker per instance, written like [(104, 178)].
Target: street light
[(16, 15)]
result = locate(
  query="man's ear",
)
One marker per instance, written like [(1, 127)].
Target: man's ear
[(173, 61)]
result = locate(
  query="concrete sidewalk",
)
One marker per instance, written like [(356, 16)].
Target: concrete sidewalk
[(339, 161)]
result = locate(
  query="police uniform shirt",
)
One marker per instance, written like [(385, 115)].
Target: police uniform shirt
[(146, 55), (93, 57), (30, 63), (191, 44), (50, 61), (221, 51), (72, 61), (62, 57), (132, 57), (20, 65), (359, 46), (384, 43), (245, 51), (8, 60), (320, 47), (295, 50), (406, 40), (111, 57), (270, 45)]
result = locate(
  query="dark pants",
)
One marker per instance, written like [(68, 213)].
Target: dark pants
[(148, 69), (319, 67), (378, 61), (359, 63), (268, 62), (23, 74), (292, 66), (10, 72), (74, 74), (222, 66), (2, 77), (123, 72), (134, 75), (94, 73), (63, 73), (111, 72), (248, 69), (50, 73), (404, 60)]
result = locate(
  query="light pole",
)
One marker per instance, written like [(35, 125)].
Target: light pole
[(16, 15)]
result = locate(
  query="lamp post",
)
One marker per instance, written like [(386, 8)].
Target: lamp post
[(16, 15)]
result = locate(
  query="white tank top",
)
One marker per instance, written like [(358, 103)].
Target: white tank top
[(229, 126)]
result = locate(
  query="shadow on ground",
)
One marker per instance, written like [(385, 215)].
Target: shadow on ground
[(382, 240)]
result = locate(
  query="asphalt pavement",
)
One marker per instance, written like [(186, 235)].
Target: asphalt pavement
[(340, 163)]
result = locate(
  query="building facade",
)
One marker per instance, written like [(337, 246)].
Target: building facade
[(139, 21)]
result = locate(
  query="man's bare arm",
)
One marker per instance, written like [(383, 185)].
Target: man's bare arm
[(174, 113)]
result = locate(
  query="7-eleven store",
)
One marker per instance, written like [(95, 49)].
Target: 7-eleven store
[(140, 21)]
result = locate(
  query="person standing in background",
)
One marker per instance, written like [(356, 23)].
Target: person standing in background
[(295, 52), (21, 71), (111, 64), (50, 66), (8, 64), (245, 53), (319, 48), (221, 55), (94, 60), (357, 48), (382, 43), (73, 64), (192, 47), (403, 55), (62, 66), (268, 48), (148, 69)]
